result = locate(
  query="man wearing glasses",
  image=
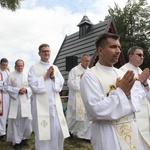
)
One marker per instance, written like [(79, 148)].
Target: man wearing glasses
[(49, 123), (136, 58)]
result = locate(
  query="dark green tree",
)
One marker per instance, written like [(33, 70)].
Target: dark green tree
[(10, 4), (133, 26)]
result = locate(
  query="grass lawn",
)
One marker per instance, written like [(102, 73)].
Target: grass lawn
[(69, 144)]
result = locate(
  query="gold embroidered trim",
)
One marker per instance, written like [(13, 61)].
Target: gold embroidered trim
[(112, 87), (44, 123)]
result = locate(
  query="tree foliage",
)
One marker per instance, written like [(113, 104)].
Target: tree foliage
[(10, 4), (133, 26)]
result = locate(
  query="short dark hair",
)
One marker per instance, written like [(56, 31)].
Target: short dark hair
[(17, 62), (43, 45), (3, 60), (133, 49), (102, 39)]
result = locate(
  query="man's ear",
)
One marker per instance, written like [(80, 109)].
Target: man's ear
[(99, 50), (130, 56)]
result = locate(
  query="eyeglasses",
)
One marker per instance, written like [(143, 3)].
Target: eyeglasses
[(140, 55), (45, 51)]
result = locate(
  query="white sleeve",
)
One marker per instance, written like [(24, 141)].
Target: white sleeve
[(74, 80), (37, 84), (11, 90), (137, 95), (58, 82), (99, 106)]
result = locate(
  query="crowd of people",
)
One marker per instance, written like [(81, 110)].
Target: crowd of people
[(107, 106)]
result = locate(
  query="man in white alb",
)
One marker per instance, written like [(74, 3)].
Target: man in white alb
[(19, 119), (136, 58), (77, 119), (4, 98), (49, 123), (111, 98)]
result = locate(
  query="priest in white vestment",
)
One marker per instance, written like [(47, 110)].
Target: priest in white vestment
[(111, 99), (49, 124), (19, 119), (4, 98), (136, 58), (77, 120)]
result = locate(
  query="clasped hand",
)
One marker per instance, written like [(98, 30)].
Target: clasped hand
[(144, 76), (22, 90), (126, 83), (49, 73)]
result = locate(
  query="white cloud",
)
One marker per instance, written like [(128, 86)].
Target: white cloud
[(22, 31)]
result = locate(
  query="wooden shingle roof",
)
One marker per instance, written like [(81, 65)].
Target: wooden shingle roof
[(77, 44)]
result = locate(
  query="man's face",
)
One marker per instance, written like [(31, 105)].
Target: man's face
[(137, 58), (45, 53), (110, 53), (85, 60), (4, 65), (19, 67)]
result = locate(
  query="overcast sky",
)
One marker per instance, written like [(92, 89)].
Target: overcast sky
[(45, 21)]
